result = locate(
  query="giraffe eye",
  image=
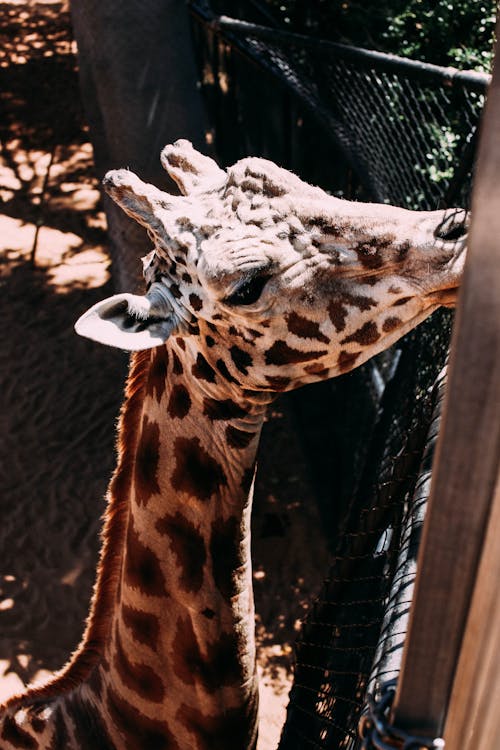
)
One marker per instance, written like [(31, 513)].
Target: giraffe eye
[(249, 292)]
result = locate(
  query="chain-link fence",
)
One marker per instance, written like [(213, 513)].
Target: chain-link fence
[(357, 626), (369, 126), (407, 129)]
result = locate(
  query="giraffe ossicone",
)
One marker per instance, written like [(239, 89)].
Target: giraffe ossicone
[(257, 283)]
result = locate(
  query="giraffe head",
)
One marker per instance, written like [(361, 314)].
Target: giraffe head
[(279, 282)]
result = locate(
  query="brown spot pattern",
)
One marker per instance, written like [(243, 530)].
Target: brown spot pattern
[(254, 333), (241, 359), (196, 471), (367, 334), (157, 378), (337, 308), (202, 370), (278, 383), (316, 369), (225, 409), (282, 354), (177, 364), (175, 291), (140, 731), (271, 189), (140, 678), (361, 301), (146, 466), (38, 724), (324, 223), (220, 666), (179, 402), (347, 360), (195, 302), (188, 546), (390, 324), (222, 368), (369, 255), (176, 160), (142, 568), (183, 221), (305, 328), (144, 626), (16, 735), (369, 252), (338, 314)]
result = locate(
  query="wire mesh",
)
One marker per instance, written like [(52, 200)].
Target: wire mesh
[(384, 117), (357, 626), (393, 131), (404, 127)]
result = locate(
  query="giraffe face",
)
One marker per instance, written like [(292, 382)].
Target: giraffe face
[(278, 280)]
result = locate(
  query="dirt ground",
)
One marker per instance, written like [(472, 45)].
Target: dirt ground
[(59, 394)]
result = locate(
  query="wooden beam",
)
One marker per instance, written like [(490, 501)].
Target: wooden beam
[(467, 461), (473, 720)]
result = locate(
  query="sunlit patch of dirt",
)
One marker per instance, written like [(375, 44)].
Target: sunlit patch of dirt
[(69, 262), (50, 213), (11, 682), (49, 209)]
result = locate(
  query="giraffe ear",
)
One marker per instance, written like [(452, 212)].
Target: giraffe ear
[(128, 321)]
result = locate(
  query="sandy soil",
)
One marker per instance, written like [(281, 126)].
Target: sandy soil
[(59, 394)]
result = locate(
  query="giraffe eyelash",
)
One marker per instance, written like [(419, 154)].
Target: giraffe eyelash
[(249, 292)]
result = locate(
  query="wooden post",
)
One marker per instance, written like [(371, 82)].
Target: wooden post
[(464, 481), (473, 721)]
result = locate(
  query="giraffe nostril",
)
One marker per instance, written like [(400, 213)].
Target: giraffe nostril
[(455, 232), (453, 227)]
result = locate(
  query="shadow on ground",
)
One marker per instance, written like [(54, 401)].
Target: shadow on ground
[(59, 399)]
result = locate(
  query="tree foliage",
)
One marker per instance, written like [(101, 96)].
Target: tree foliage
[(444, 32), (447, 32)]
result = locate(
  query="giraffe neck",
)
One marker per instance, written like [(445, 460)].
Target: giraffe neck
[(180, 649), (168, 657)]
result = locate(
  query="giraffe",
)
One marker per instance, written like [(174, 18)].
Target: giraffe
[(257, 283)]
